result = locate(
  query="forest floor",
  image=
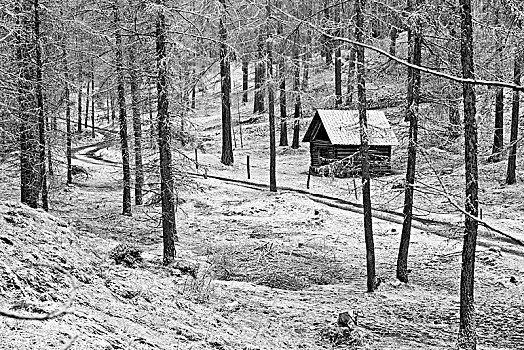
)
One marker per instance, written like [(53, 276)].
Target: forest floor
[(257, 270)]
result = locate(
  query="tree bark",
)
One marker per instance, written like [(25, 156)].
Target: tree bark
[(338, 61), (283, 104), (79, 112), (122, 115), (169, 231), (92, 99), (296, 89), (467, 338), (351, 76), (40, 107), (413, 99), (271, 103), (364, 148), (29, 147), (137, 122), (245, 79), (512, 159), (225, 85), (498, 136), (87, 100), (68, 113)]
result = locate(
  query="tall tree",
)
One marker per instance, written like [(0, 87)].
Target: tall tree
[(467, 338), (515, 110), (40, 105), (68, 111), (92, 98), (137, 121), (338, 59), (364, 146), (122, 115), (271, 105), (245, 78), (79, 111), (164, 140), (88, 95), (225, 86), (413, 99), (296, 89), (27, 80)]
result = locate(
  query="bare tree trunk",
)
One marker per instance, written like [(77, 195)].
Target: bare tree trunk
[(364, 148), (29, 147), (351, 76), (92, 99), (467, 333), (108, 116), (498, 136), (413, 99), (393, 36), (296, 89), (126, 202), (164, 141), (137, 122), (79, 113), (152, 128), (283, 104), (512, 160), (271, 103), (225, 75), (327, 43), (113, 109), (338, 60), (87, 100), (68, 113), (40, 105), (245, 78)]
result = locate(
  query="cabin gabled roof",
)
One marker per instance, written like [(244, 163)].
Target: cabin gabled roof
[(342, 127)]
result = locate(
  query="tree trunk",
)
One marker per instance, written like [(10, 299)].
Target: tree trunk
[(327, 43), (245, 79), (108, 113), (122, 115), (79, 113), (92, 99), (283, 105), (137, 122), (257, 88), (413, 99), (40, 107), (29, 146), (296, 89), (260, 73), (338, 61), (87, 100), (498, 137), (393, 36), (271, 103), (113, 109), (512, 160), (351, 76), (152, 129), (164, 141), (467, 334), (68, 113), (364, 148), (225, 84)]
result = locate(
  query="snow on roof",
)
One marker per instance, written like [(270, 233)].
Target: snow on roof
[(342, 127)]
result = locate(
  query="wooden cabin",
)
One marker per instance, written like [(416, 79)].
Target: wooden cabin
[(334, 138)]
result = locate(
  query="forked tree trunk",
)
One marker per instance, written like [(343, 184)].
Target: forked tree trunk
[(364, 148), (512, 160), (137, 122), (122, 115), (467, 338), (169, 232), (225, 85), (413, 99)]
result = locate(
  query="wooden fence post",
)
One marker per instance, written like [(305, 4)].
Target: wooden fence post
[(248, 169), (308, 178), (196, 157)]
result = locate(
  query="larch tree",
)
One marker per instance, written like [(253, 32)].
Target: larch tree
[(412, 111), (467, 338), (364, 146)]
